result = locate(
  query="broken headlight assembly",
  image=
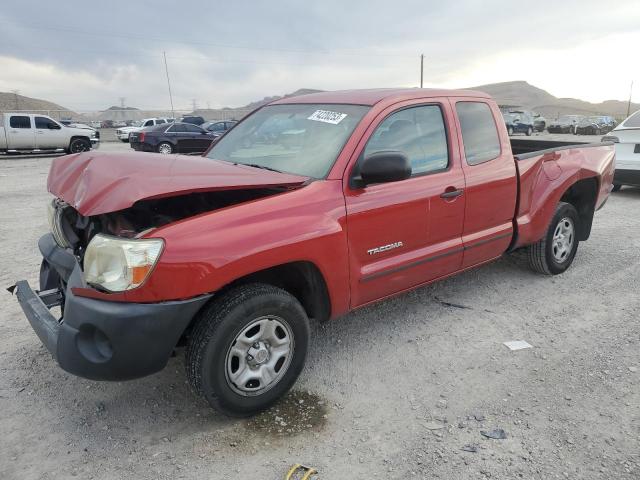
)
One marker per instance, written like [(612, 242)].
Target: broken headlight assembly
[(117, 264)]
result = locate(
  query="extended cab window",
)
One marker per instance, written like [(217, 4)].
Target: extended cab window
[(419, 133), (304, 139), (479, 132), (20, 122)]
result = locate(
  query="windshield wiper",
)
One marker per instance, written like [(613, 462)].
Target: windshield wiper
[(255, 165)]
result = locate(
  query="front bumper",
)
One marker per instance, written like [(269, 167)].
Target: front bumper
[(123, 135), (97, 339)]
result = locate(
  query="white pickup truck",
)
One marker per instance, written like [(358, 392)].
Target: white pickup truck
[(123, 132), (33, 133)]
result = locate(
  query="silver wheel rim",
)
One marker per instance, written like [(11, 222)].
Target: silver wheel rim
[(259, 356), (164, 148), (563, 238)]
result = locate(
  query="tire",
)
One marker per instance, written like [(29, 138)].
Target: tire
[(223, 328), (529, 131), (616, 187), (510, 131), (545, 256), (165, 148), (78, 145)]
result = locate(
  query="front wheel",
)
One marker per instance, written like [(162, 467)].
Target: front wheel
[(529, 131), (555, 252), (78, 145), (247, 349)]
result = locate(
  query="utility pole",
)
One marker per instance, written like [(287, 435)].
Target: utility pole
[(421, 69), (166, 69), (629, 103), (122, 99), (194, 104)]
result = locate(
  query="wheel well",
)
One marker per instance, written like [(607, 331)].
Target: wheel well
[(81, 137), (302, 279), (582, 195)]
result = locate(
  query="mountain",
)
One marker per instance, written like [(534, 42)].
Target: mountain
[(522, 94), (12, 102), (265, 100)]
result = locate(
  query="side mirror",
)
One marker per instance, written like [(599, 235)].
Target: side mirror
[(383, 167)]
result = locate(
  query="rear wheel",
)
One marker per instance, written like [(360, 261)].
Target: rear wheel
[(247, 349), (555, 252), (165, 148)]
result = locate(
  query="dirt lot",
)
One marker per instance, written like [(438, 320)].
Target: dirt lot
[(399, 390)]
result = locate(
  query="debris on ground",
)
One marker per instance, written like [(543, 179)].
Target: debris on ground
[(495, 434), (453, 305), (434, 426), (517, 345), (470, 448)]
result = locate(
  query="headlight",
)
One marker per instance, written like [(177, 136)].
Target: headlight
[(118, 264)]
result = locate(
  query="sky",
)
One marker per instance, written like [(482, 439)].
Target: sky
[(87, 55)]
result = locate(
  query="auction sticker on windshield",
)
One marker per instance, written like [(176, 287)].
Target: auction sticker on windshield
[(327, 116)]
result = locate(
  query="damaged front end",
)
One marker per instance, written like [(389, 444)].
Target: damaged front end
[(101, 241)]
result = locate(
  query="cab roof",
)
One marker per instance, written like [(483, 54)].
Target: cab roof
[(372, 96)]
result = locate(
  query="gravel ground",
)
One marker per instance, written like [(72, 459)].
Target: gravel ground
[(399, 390)]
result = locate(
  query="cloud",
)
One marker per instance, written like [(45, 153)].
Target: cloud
[(234, 53)]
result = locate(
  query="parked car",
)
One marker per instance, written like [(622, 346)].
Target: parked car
[(219, 127), (539, 122), (96, 124), (123, 132), (518, 123), (232, 253), (172, 138), (192, 120), (596, 125), (564, 124), (22, 133), (626, 138)]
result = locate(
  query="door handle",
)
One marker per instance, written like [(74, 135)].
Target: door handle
[(451, 192)]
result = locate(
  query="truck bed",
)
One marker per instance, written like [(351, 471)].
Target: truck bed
[(550, 172)]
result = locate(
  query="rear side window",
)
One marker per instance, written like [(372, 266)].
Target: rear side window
[(419, 133), (192, 128), (159, 121), (20, 122), (479, 132)]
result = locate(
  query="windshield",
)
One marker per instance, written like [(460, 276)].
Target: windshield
[(303, 139)]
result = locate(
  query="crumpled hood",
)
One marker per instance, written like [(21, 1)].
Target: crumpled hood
[(95, 183)]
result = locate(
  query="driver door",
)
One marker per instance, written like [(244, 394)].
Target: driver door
[(406, 233), (49, 134)]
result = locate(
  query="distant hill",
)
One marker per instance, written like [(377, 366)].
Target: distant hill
[(522, 94), (265, 100), (11, 102)]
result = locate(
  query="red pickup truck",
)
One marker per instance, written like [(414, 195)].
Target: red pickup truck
[(310, 207)]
